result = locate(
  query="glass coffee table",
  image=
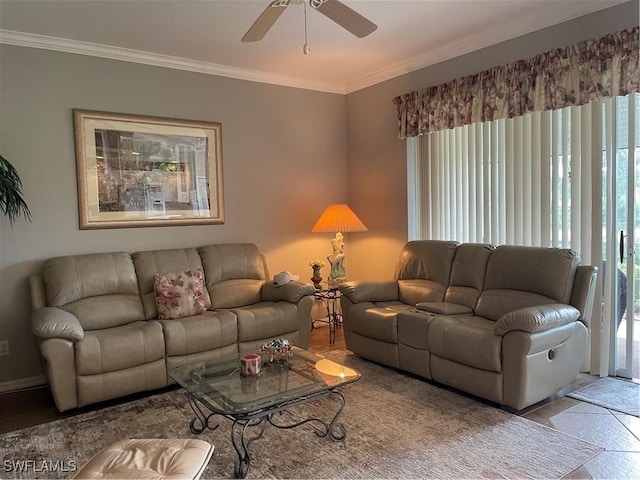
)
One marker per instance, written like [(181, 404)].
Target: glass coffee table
[(215, 387)]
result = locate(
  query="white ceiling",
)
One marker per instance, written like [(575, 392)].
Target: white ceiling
[(204, 35)]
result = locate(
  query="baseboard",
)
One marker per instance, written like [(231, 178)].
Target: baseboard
[(22, 383)]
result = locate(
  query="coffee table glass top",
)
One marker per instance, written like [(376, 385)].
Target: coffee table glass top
[(219, 385)]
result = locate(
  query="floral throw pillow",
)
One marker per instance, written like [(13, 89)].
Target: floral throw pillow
[(179, 294)]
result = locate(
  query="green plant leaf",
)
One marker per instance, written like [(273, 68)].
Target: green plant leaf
[(12, 202)]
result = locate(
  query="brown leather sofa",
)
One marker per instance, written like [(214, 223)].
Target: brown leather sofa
[(508, 324), (97, 324)]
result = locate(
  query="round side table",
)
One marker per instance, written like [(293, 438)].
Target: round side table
[(330, 296)]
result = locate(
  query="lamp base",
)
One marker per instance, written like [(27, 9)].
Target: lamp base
[(338, 273)]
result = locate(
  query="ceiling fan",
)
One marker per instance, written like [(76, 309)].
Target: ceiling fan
[(335, 10)]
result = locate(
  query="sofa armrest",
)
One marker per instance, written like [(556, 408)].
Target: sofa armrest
[(36, 289), (51, 322), (537, 318), (290, 292), (582, 295), (368, 291)]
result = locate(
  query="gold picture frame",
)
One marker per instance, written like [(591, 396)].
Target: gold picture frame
[(144, 171)]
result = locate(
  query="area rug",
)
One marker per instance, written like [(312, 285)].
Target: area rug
[(397, 427), (613, 394)]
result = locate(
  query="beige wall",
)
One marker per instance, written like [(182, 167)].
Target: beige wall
[(287, 154), (284, 152), (377, 159)]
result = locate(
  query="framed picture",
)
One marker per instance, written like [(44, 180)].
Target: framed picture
[(141, 171)]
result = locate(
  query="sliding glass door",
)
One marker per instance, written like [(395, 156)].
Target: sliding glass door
[(623, 233)]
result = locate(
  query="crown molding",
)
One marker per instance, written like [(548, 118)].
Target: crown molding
[(32, 40), (437, 55), (466, 45)]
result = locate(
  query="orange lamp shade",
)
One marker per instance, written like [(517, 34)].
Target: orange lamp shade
[(339, 218)]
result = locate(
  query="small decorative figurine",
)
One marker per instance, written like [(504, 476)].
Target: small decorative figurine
[(280, 346)]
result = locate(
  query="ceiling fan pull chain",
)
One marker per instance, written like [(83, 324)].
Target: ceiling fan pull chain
[(306, 49)]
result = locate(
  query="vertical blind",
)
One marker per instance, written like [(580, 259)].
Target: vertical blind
[(522, 181)]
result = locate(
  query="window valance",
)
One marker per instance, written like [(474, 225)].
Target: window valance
[(575, 75)]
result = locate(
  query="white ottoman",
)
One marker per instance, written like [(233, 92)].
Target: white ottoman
[(149, 458)]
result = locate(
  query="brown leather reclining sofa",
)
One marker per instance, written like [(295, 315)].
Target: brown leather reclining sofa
[(96, 318), (508, 323)]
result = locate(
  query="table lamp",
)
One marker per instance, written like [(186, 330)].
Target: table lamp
[(337, 219)]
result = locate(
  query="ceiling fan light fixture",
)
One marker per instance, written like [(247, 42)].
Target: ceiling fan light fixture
[(265, 21), (334, 10), (316, 3), (346, 17)]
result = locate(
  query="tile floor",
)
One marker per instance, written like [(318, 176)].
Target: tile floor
[(617, 433)]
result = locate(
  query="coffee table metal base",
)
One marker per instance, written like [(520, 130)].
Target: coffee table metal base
[(247, 428)]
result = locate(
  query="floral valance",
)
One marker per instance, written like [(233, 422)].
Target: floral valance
[(575, 75)]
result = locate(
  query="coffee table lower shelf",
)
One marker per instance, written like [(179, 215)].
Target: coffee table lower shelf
[(249, 427)]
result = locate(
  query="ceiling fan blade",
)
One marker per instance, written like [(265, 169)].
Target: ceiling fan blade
[(265, 21), (347, 18)]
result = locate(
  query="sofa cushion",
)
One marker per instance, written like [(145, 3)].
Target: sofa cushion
[(235, 273), (235, 293), (468, 273), (493, 304), (469, 340), (232, 260), (74, 277), (106, 311), (118, 348), (151, 262), (426, 259), (519, 277), (179, 294), (266, 320), (370, 291), (545, 271), (201, 333), (417, 291), (100, 289)]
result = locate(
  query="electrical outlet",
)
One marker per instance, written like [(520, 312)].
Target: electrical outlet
[(4, 348)]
